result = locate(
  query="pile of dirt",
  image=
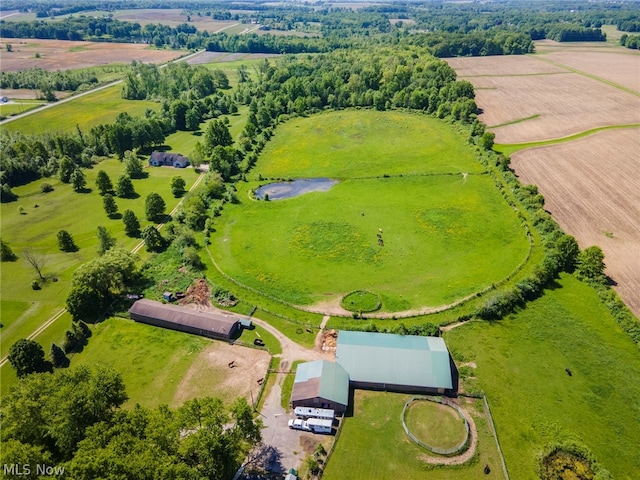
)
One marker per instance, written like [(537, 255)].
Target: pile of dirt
[(198, 293), (329, 340)]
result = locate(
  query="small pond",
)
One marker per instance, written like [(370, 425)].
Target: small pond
[(282, 190)]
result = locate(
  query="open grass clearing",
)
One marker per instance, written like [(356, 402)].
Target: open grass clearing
[(164, 366), (435, 424), (373, 445), (356, 143), (14, 108), (521, 364), (319, 245), (87, 111), (591, 187), (67, 54)]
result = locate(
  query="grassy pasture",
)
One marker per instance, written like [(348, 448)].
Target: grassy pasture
[(14, 108), (355, 144), (373, 445), (24, 309), (429, 222), (521, 365), (87, 111)]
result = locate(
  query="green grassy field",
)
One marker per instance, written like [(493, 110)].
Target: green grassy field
[(521, 365), (18, 107), (151, 360), (373, 445), (434, 424), (356, 144), (24, 309), (87, 111), (445, 236)]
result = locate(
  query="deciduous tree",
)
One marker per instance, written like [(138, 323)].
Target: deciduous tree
[(177, 186), (154, 206), (26, 356), (124, 187)]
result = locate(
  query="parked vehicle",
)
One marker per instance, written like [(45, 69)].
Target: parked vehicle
[(298, 424), (258, 342)]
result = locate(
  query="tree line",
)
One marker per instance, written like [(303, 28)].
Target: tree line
[(73, 420)]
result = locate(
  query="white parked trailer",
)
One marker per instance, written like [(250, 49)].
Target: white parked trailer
[(308, 412), (320, 425)]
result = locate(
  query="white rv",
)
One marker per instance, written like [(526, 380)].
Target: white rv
[(308, 412)]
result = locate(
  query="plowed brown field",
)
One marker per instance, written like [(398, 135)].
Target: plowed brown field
[(569, 88), (65, 54), (592, 188), (591, 185)]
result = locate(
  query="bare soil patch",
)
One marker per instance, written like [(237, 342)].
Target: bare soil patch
[(592, 188), (564, 104), (210, 374), (621, 66), (510, 65), (567, 89), (66, 55)]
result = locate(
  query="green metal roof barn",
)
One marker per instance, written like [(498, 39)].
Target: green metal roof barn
[(396, 362), (321, 384)]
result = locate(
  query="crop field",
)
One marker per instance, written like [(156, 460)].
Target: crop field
[(520, 364), (592, 188), (43, 215), (373, 445), (554, 94), (419, 240), (67, 55)]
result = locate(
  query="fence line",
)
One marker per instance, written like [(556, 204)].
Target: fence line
[(495, 435), (440, 451), (333, 446)]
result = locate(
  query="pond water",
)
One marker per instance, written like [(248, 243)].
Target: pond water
[(282, 190)]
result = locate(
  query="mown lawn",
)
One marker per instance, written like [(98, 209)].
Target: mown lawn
[(151, 360), (373, 445), (444, 237), (521, 364), (24, 309), (85, 112)]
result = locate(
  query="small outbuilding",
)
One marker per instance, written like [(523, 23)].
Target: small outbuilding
[(400, 363), (165, 159), (219, 325), (321, 384)]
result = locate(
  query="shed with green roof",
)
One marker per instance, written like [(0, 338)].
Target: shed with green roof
[(321, 384), (404, 363)]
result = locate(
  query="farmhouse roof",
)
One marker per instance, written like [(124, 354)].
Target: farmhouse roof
[(214, 322), (167, 156), (384, 358), (321, 379)]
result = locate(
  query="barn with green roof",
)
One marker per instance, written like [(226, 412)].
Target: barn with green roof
[(321, 384), (403, 363)]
